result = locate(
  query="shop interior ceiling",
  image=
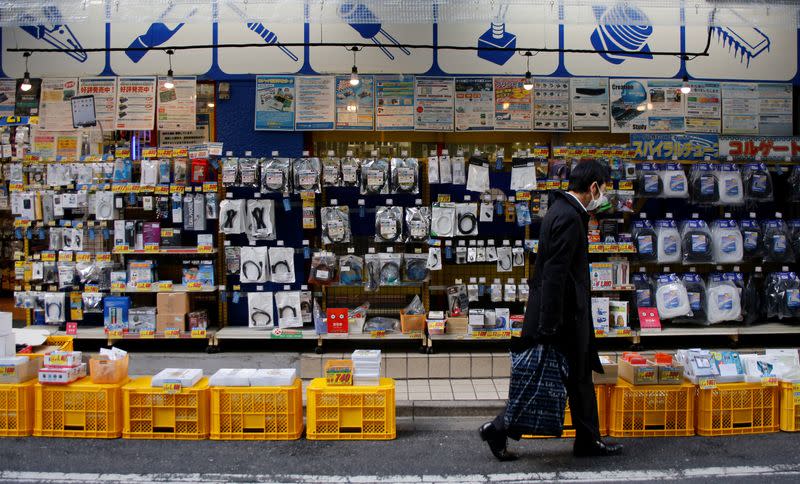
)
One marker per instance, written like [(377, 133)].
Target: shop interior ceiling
[(714, 13)]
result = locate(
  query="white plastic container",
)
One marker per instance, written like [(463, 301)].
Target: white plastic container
[(186, 377)]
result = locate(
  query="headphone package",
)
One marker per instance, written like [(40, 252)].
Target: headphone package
[(254, 268), (467, 219), (645, 240), (281, 268), (731, 186), (777, 246), (783, 295), (232, 216), (276, 175), (523, 174), (389, 224), (375, 177), (696, 242), (351, 269), (650, 183), (323, 268), (443, 220), (673, 181), (307, 173), (230, 172), (335, 224), (723, 300), (727, 242), (259, 310), (389, 273), (261, 219), (758, 182), (350, 171), (289, 309), (418, 223), (668, 242), (415, 267), (405, 175), (672, 299), (705, 185)]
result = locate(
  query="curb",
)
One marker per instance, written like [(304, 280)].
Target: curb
[(448, 408)]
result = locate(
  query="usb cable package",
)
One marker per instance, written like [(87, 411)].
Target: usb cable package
[(259, 310), (255, 265), (261, 219), (672, 299), (281, 261), (727, 242), (668, 242), (289, 310), (232, 216)]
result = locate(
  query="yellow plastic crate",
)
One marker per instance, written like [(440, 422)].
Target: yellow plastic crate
[(350, 412), (257, 413), (738, 408), (17, 405), (79, 410), (790, 407), (63, 343), (651, 410), (602, 414), (158, 413)]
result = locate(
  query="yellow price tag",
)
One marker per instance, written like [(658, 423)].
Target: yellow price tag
[(151, 248), (199, 333), (161, 190), (117, 286), (172, 333), (378, 334), (707, 383), (796, 392), (769, 381), (103, 257), (149, 153), (165, 152), (210, 187), (172, 388), (180, 152), (8, 370), (147, 334), (177, 189), (83, 257), (194, 286), (115, 333), (624, 332), (58, 359), (122, 248), (599, 333), (94, 288), (49, 256), (144, 286), (165, 286), (444, 198), (123, 153), (204, 249)]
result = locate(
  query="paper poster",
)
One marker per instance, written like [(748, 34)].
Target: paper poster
[(136, 103), (315, 103), (8, 89), (275, 103), (355, 105), (775, 109), (740, 106), (590, 105), (51, 144), (56, 109), (704, 108), (43, 143), (474, 104), (551, 104), (512, 104), (666, 106), (104, 90), (434, 98), (394, 102), (628, 105), (177, 107), (67, 146)]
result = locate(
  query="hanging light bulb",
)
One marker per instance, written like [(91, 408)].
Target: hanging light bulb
[(527, 84), (211, 104), (170, 82), (354, 80), (686, 88), (26, 79)]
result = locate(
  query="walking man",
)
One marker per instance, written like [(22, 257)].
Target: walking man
[(556, 352)]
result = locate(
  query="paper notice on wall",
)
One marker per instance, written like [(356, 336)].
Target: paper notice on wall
[(104, 90), (275, 104), (590, 104), (512, 104), (355, 105), (315, 102), (8, 90), (394, 102), (43, 143), (177, 107), (775, 109), (629, 111), (551, 104), (740, 107), (52, 144), (704, 108), (434, 98), (666, 106), (136, 103), (474, 104), (56, 109)]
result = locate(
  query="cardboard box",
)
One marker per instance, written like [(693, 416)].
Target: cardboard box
[(608, 377), (668, 374), (646, 374), (456, 325), (19, 369), (166, 321), (173, 303)]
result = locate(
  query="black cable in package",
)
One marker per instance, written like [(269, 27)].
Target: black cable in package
[(281, 265), (673, 181), (230, 172), (261, 219), (373, 267), (697, 245), (466, 219), (696, 289), (705, 184), (307, 173), (650, 183), (757, 182), (390, 271), (643, 288), (389, 224), (92, 302), (782, 293), (254, 265), (276, 175), (232, 216), (418, 223), (335, 224), (645, 239), (248, 172), (794, 235), (752, 238), (415, 267), (794, 184), (375, 177), (405, 175), (324, 269), (753, 299), (777, 245), (351, 270)]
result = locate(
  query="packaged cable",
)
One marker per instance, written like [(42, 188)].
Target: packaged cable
[(752, 238), (696, 290), (331, 172), (255, 265), (149, 172), (727, 241), (351, 270), (375, 177), (104, 205), (668, 241), (323, 268), (281, 265), (757, 182), (418, 223), (259, 310), (673, 181), (443, 220), (67, 276), (697, 245), (776, 242), (230, 172), (307, 173), (753, 299), (261, 218), (232, 216), (405, 175), (731, 186), (794, 184), (276, 175), (794, 235), (92, 302), (233, 259), (289, 309), (645, 240), (389, 224), (54, 307), (390, 270), (783, 295), (723, 300), (373, 267), (467, 219), (350, 171), (672, 299), (705, 185), (505, 259), (478, 174), (650, 183), (523, 174), (248, 172), (415, 267), (335, 224)]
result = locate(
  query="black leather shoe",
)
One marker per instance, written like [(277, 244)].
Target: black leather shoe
[(597, 448), (497, 443)]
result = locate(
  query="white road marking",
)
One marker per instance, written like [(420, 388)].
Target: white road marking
[(706, 473)]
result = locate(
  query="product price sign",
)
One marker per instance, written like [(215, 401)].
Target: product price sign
[(339, 378), (204, 249), (114, 334), (378, 333), (147, 334), (149, 152), (172, 333), (195, 286), (172, 388), (72, 329), (117, 286), (8, 370), (707, 383), (796, 392), (58, 359), (199, 333), (600, 333), (769, 381)]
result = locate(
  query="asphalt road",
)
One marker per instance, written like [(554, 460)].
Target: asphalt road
[(450, 454)]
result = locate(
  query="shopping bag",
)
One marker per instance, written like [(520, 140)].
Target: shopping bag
[(537, 394)]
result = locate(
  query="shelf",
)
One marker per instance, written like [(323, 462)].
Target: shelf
[(155, 290), (172, 251), (694, 331), (628, 287), (246, 333), (98, 333), (770, 328)]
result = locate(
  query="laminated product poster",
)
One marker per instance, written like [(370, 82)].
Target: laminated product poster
[(104, 90), (136, 103), (551, 104), (275, 103), (355, 105), (512, 104), (775, 109), (27, 103), (590, 103), (629, 100), (704, 108), (177, 107), (56, 109), (394, 102), (316, 97), (666, 106), (52, 144), (740, 106), (474, 104), (434, 98), (8, 90)]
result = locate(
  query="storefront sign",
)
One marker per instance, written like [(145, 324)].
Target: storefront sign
[(680, 146), (753, 147)]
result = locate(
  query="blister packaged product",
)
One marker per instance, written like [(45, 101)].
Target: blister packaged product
[(67, 276), (331, 172), (757, 182), (259, 310), (88, 272), (433, 169), (435, 258), (372, 264), (518, 256), (705, 184), (307, 174), (457, 300), (351, 176), (466, 219), (418, 223), (782, 295), (351, 270), (149, 172), (650, 183), (54, 307), (643, 288), (696, 290), (645, 240), (123, 170), (230, 172), (212, 211), (248, 173), (459, 166), (164, 171), (276, 175), (289, 310), (727, 241), (92, 302), (668, 241), (478, 174), (671, 297), (752, 238), (305, 307), (261, 218), (674, 181), (415, 267), (523, 214), (181, 171), (696, 242), (281, 265), (731, 185), (233, 259), (777, 246), (335, 224), (104, 205), (390, 271), (723, 300), (375, 177), (523, 174), (323, 269), (505, 259), (445, 168), (405, 175), (233, 215), (443, 220), (523, 291), (389, 224), (255, 265)]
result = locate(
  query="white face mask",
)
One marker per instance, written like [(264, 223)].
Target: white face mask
[(598, 202)]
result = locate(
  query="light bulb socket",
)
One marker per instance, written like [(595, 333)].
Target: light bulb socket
[(528, 83), (26, 82)]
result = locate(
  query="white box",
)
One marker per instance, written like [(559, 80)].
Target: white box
[(186, 377), (600, 313), (62, 376), (63, 359), (7, 345), (5, 323), (280, 377), (230, 377)]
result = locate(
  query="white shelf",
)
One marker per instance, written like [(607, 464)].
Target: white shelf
[(770, 328)]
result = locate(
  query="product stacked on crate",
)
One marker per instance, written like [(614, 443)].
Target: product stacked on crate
[(102, 236)]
